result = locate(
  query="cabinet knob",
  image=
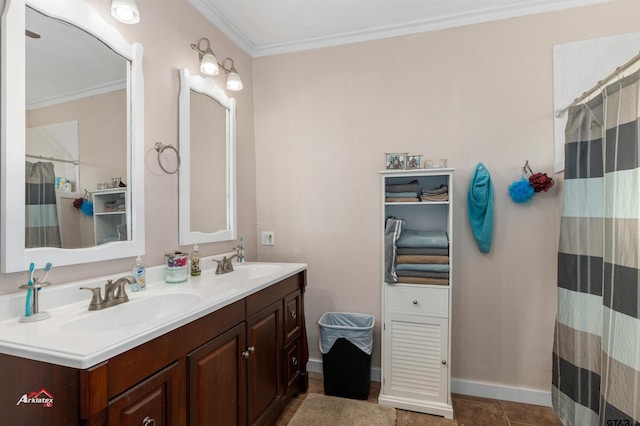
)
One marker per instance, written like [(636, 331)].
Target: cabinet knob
[(249, 351), (293, 314), (294, 360), (415, 302), (148, 421), (444, 362)]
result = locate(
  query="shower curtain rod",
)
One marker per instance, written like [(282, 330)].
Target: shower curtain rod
[(599, 85), (40, 157)]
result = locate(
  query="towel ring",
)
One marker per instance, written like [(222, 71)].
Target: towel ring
[(160, 147)]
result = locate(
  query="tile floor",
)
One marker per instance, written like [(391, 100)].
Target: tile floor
[(468, 411)]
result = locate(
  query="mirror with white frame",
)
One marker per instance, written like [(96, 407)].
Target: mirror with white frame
[(72, 119), (207, 188)]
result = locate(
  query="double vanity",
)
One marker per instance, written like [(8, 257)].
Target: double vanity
[(225, 349)]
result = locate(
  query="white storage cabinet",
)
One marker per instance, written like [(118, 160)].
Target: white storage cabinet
[(416, 318)]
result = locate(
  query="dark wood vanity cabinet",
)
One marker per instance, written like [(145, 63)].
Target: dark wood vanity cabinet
[(239, 365)]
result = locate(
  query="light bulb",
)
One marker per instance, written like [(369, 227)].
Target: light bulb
[(125, 11), (209, 64), (124, 14), (234, 83)]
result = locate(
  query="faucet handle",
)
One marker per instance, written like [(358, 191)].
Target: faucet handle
[(219, 266), (96, 300), (120, 292)]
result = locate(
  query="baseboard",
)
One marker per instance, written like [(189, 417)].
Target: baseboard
[(505, 393), (468, 387)]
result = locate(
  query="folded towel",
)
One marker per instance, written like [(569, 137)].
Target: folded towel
[(480, 207), (444, 275), (392, 231), (402, 200), (425, 267), (442, 189), (413, 238), (403, 187), (401, 194), (439, 197), (419, 280), (424, 250), (422, 258)]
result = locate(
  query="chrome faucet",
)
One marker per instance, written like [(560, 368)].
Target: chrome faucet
[(114, 293), (225, 265)]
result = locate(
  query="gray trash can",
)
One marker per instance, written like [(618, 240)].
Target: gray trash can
[(346, 343)]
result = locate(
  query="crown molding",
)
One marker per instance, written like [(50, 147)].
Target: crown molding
[(224, 25), (255, 49)]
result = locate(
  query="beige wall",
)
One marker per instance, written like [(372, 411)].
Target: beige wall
[(166, 31), (323, 120)]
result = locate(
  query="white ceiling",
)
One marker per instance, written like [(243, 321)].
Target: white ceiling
[(267, 27)]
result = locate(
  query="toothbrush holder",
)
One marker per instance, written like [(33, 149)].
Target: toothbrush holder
[(35, 315)]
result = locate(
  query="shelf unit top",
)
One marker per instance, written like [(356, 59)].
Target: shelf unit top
[(411, 172)]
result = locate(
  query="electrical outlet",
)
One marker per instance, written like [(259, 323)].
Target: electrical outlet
[(268, 238)]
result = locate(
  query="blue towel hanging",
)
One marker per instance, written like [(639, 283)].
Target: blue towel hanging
[(480, 207)]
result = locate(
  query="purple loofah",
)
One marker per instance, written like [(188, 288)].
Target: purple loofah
[(521, 191)]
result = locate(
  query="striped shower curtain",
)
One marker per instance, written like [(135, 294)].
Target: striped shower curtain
[(41, 216), (596, 355)]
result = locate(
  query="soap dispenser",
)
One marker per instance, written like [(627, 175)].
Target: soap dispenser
[(139, 273), (195, 261)]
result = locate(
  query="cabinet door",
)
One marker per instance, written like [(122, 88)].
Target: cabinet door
[(265, 389), (217, 381), (157, 401), (416, 359)]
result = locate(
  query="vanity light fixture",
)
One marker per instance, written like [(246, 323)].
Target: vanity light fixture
[(234, 83), (209, 64), (125, 11)]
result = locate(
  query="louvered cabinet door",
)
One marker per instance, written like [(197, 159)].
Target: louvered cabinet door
[(416, 357)]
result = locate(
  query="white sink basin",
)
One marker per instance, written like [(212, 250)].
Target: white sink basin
[(136, 311), (249, 272), (253, 272)]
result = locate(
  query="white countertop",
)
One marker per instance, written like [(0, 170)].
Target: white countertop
[(56, 339)]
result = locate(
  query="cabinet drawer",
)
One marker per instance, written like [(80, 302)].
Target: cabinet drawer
[(292, 362), (418, 301), (157, 401), (292, 316)]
